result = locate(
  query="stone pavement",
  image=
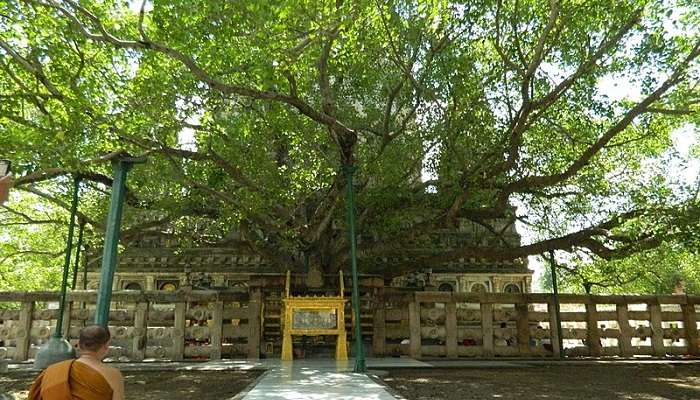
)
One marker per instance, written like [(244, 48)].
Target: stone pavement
[(315, 380), (331, 380)]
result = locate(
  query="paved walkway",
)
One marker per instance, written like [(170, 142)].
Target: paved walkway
[(322, 380)]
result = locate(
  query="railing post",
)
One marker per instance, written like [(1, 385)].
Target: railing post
[(138, 346), (624, 341), (178, 335), (216, 329), (690, 323), (414, 326), (65, 323), (523, 326), (23, 332), (451, 328), (487, 328), (592, 332), (254, 305), (657, 331), (379, 324)]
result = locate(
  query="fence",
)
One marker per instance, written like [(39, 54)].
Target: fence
[(214, 325), (454, 325), (161, 325)]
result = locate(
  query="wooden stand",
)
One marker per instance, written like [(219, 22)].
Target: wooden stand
[(308, 306)]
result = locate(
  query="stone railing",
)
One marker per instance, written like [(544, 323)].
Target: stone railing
[(452, 325), (160, 325), (214, 325)]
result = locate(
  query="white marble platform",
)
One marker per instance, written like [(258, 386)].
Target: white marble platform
[(322, 380)]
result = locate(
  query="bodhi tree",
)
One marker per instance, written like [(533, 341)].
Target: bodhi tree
[(247, 111)]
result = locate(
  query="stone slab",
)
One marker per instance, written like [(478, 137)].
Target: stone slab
[(316, 380)]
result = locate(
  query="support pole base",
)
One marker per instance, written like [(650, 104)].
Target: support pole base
[(360, 366), (55, 350)]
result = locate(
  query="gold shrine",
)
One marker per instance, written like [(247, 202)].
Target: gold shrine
[(314, 316)]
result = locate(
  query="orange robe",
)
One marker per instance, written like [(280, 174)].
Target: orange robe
[(70, 380)]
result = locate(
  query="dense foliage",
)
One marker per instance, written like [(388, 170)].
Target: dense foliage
[(247, 110)]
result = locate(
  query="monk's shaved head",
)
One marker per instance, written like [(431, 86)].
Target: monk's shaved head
[(93, 337)]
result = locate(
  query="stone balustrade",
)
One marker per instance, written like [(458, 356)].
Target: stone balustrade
[(213, 325), (155, 324)]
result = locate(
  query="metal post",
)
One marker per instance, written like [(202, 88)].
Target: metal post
[(77, 254), (557, 308), (69, 249), (109, 255), (360, 366), (85, 271)]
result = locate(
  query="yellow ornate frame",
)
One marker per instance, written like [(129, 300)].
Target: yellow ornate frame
[(321, 303)]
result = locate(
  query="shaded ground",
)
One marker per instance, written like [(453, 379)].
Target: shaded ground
[(590, 382), (156, 385)]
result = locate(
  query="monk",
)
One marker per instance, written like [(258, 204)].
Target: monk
[(85, 378)]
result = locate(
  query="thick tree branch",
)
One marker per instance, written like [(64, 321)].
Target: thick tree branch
[(522, 122), (534, 182), (225, 88), (63, 205), (28, 220), (592, 238), (33, 68)]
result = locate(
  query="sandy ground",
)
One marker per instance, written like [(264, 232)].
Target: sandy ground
[(155, 385), (590, 382)]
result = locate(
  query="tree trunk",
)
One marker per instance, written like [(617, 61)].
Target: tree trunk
[(314, 277)]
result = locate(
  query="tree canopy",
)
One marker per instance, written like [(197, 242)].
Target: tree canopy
[(247, 111)]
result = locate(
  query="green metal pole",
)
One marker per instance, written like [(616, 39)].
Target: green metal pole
[(85, 271), (76, 265), (69, 249), (557, 308), (360, 366), (109, 254)]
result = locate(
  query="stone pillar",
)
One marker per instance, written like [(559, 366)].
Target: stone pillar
[(690, 325), (178, 335), (65, 324), (216, 329), (487, 329), (624, 341), (592, 332), (657, 331), (414, 326), (451, 328), (23, 333), (138, 345), (379, 324), (254, 320), (523, 327)]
